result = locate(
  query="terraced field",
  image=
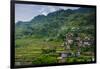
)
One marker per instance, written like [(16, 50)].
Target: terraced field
[(30, 51)]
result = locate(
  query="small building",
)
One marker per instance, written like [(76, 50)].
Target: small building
[(65, 54)]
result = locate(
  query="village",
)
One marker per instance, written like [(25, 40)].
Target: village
[(68, 43)]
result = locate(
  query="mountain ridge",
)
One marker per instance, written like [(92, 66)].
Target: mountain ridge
[(58, 22)]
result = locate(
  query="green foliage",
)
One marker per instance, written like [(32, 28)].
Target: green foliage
[(47, 51), (78, 59), (44, 59)]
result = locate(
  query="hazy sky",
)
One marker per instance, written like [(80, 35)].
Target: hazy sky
[(25, 12)]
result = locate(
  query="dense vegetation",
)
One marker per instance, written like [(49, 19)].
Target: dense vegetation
[(39, 40)]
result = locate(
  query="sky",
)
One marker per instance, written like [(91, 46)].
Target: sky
[(26, 12)]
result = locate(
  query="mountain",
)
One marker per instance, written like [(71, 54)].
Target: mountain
[(58, 23)]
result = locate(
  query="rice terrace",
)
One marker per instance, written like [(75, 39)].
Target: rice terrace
[(54, 34)]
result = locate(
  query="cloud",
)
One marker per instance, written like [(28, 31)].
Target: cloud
[(42, 11), (48, 9), (65, 8)]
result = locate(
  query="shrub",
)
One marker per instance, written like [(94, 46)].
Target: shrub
[(44, 59)]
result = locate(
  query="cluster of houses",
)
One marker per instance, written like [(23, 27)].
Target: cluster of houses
[(68, 41)]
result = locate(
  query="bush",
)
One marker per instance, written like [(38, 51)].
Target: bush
[(44, 59)]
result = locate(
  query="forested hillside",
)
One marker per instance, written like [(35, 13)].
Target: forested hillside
[(58, 23)]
